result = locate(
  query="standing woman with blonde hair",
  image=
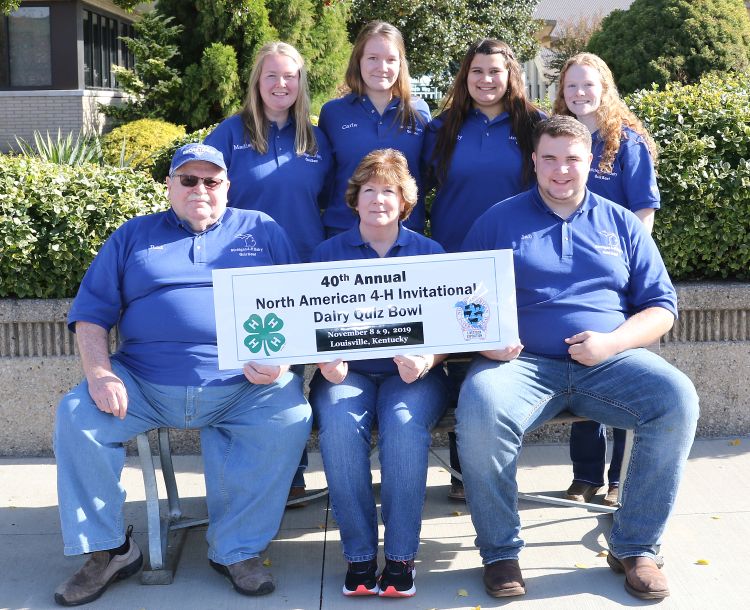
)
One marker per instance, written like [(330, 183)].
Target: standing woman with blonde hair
[(622, 170), (278, 162), (379, 112)]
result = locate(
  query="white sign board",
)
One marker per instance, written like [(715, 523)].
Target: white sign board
[(361, 309)]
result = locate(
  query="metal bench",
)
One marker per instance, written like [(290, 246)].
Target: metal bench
[(167, 529)]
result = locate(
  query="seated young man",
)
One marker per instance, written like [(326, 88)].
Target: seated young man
[(591, 291), (152, 278)]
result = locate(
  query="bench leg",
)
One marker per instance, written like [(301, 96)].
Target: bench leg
[(164, 540), (446, 465), (629, 434), (167, 470)]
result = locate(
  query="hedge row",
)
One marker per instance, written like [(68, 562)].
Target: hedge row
[(54, 218), (703, 133)]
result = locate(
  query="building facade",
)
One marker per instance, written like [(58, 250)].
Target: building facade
[(56, 60)]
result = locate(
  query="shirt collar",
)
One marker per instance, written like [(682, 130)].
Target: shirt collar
[(588, 202), (354, 238), (365, 101), (479, 115), (274, 127)]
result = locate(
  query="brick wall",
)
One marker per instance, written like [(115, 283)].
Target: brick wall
[(22, 112)]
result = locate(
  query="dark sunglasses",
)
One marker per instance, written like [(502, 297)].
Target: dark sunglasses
[(190, 181)]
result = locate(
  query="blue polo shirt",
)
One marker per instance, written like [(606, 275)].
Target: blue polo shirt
[(286, 186), (354, 128), (632, 181), (152, 278), (349, 245), (486, 167), (590, 271)]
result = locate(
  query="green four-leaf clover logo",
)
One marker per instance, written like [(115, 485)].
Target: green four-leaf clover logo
[(264, 334)]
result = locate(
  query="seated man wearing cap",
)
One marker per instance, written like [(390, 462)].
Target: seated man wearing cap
[(152, 278)]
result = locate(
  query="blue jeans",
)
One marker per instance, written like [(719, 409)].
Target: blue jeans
[(636, 390), (251, 439), (588, 452), (405, 412)]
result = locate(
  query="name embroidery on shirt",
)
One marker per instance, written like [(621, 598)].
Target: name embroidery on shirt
[(154, 247), (241, 146), (611, 246), (349, 126)]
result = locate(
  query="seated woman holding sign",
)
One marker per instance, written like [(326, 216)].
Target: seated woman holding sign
[(406, 394)]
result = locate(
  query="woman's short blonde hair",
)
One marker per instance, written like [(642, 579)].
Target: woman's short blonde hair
[(389, 166)]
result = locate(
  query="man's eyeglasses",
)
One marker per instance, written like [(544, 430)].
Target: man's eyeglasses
[(190, 181)]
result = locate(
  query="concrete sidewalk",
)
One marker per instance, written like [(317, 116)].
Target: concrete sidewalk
[(561, 563)]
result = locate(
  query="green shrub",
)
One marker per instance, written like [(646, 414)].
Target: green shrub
[(65, 150), (703, 133), (163, 157), (54, 218), (141, 139), (666, 41)]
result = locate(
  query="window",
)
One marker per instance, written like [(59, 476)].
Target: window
[(25, 41), (102, 48)]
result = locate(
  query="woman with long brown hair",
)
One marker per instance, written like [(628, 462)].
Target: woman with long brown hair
[(478, 150)]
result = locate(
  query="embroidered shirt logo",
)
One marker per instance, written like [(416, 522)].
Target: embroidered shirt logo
[(250, 247), (611, 246), (316, 158), (349, 126)]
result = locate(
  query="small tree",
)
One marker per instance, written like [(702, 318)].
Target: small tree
[(662, 41), (154, 84), (211, 88), (570, 38)]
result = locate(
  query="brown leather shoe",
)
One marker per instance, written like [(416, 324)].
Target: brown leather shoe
[(581, 492), (457, 492), (249, 577), (503, 578), (642, 576), (296, 498), (613, 496), (99, 571)]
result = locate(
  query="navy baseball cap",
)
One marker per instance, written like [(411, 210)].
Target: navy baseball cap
[(196, 152)]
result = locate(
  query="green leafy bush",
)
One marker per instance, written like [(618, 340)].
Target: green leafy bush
[(54, 218), (663, 41), (163, 157), (133, 144), (703, 133)]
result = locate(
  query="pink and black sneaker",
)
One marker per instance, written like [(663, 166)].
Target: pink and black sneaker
[(361, 578), (397, 579)]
